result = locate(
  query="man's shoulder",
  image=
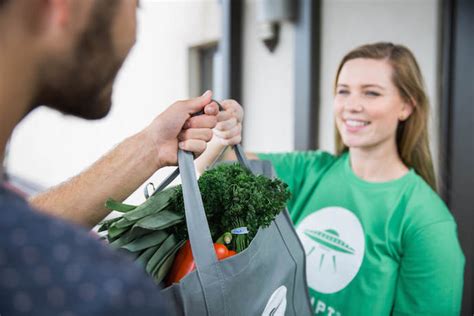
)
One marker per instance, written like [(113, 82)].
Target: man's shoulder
[(51, 267)]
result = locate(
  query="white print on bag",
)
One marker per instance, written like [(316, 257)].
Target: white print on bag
[(334, 243), (276, 305)]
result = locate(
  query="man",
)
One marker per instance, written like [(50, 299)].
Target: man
[(65, 54)]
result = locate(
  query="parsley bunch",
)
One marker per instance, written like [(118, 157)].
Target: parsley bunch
[(233, 198)]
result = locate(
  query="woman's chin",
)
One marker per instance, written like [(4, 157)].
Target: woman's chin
[(351, 142), (357, 144)]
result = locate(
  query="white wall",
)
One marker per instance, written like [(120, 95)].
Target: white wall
[(268, 92), (48, 148), (347, 24)]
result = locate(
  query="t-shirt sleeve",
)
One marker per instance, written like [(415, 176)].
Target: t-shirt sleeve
[(431, 272), (292, 168)]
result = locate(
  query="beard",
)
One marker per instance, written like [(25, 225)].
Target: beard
[(82, 84)]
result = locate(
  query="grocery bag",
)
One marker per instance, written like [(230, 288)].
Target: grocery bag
[(267, 278)]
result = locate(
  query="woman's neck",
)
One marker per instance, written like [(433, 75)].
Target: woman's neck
[(380, 163)]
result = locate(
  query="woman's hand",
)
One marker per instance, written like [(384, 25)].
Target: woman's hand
[(228, 130)]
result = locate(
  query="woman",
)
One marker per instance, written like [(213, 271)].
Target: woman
[(378, 238)]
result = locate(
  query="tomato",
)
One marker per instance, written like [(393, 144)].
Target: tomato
[(221, 251), (231, 253), (184, 261)]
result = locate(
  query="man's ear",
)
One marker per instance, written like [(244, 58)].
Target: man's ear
[(57, 13), (42, 16), (55, 22)]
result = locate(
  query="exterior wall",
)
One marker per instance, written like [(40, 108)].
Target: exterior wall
[(268, 93)]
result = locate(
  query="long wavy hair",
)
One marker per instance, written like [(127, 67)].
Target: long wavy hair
[(412, 134)]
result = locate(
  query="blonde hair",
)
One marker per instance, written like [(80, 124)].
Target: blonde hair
[(412, 134)]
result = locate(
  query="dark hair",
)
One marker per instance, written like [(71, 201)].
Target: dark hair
[(2, 2)]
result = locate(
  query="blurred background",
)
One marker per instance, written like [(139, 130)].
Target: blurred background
[(278, 58)]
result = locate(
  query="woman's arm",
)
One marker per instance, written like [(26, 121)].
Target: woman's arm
[(431, 272)]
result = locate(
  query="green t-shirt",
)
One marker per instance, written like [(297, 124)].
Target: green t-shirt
[(371, 248)]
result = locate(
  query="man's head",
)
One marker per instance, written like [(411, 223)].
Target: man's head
[(82, 45)]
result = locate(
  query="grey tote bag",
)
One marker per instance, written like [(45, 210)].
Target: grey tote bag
[(267, 278)]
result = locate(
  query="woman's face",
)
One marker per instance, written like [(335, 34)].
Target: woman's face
[(368, 106)]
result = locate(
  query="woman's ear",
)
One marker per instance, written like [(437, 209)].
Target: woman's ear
[(407, 110)]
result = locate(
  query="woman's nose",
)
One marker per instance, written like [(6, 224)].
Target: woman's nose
[(353, 104)]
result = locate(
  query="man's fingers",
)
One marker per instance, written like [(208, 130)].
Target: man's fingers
[(193, 145), (204, 134), (211, 109), (201, 121)]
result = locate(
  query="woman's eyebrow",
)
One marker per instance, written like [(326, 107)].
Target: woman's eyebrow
[(364, 86), (373, 85)]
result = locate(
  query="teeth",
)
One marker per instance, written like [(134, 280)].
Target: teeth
[(354, 123)]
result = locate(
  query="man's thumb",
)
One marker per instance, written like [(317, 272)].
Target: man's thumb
[(197, 104)]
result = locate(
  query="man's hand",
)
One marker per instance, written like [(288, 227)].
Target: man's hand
[(176, 127), (121, 171), (228, 130)]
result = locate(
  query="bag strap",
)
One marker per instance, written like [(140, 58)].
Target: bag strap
[(241, 158), (239, 153), (209, 273), (196, 221)]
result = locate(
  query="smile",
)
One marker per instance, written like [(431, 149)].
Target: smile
[(356, 123)]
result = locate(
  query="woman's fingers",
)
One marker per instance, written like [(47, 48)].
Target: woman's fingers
[(235, 108), (227, 125), (228, 134)]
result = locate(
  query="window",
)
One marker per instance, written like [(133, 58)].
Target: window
[(204, 69)]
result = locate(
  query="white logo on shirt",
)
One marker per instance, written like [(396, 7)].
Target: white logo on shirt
[(334, 243)]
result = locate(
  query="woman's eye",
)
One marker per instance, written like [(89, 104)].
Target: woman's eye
[(342, 92), (372, 93)]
